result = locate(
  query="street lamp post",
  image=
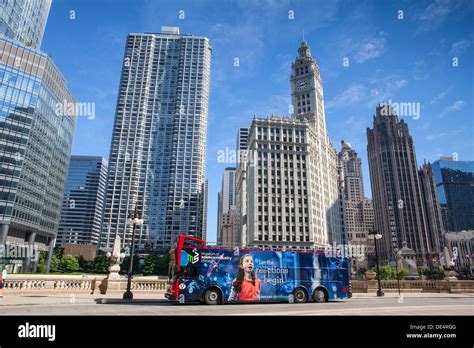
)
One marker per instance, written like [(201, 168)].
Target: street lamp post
[(376, 236), (135, 219)]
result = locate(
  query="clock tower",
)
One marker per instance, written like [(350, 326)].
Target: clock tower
[(307, 89)]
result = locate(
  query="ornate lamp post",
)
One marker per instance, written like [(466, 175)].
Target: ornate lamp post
[(135, 219), (376, 236)]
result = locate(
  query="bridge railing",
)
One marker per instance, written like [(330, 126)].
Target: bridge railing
[(452, 286), (20, 283), (38, 283)]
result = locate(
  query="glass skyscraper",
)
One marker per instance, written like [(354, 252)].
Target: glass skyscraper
[(83, 203), (24, 20), (158, 149), (455, 184), (35, 147)]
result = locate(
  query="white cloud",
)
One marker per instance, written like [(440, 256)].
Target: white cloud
[(400, 84), (458, 105), (441, 96), (369, 49), (459, 47), (352, 95), (435, 14)]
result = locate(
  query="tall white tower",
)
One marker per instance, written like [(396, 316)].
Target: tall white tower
[(308, 104)]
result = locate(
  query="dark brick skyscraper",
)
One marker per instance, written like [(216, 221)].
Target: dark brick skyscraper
[(399, 204)]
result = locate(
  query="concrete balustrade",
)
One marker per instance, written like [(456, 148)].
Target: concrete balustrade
[(452, 286), (51, 283)]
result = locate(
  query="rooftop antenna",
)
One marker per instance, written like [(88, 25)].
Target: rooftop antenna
[(303, 35)]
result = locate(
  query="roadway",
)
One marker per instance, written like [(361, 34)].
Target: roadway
[(155, 304)]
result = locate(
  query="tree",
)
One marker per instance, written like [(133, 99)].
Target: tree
[(125, 264), (84, 265), (58, 252), (41, 263), (151, 264), (402, 273), (465, 270), (69, 263), (388, 272), (54, 266), (163, 263), (101, 264)]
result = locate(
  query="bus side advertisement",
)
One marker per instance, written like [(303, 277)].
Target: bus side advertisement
[(249, 275)]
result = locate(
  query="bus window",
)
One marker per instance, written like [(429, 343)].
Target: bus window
[(183, 262)]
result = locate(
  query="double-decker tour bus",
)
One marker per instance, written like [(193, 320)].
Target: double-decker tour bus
[(218, 275)]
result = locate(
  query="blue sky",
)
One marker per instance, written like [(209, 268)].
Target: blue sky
[(405, 60)]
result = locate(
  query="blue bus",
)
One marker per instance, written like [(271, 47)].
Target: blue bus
[(218, 275)]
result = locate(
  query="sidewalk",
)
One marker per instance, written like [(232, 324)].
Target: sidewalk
[(116, 297), (416, 294), (66, 299)]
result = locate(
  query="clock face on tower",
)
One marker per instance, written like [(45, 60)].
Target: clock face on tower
[(302, 85)]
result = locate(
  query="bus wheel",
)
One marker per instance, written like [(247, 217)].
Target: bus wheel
[(212, 297), (320, 296), (300, 296)]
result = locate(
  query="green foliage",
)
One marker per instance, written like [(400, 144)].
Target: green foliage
[(465, 270), (434, 273), (69, 263), (84, 265), (55, 264), (402, 273), (101, 264), (388, 272), (151, 264), (41, 263), (163, 264), (125, 264), (58, 252)]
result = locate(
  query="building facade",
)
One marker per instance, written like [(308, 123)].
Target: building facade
[(83, 203), (227, 209), (431, 206), (358, 210), (460, 245), (455, 185), (24, 21), (290, 178), (399, 210), (158, 149), (35, 147)]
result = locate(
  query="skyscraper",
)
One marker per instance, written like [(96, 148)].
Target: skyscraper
[(308, 105), (241, 185), (455, 185), (158, 150), (396, 190), (358, 210), (35, 149), (291, 173), (83, 204), (227, 210), (242, 139), (431, 207), (24, 21)]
